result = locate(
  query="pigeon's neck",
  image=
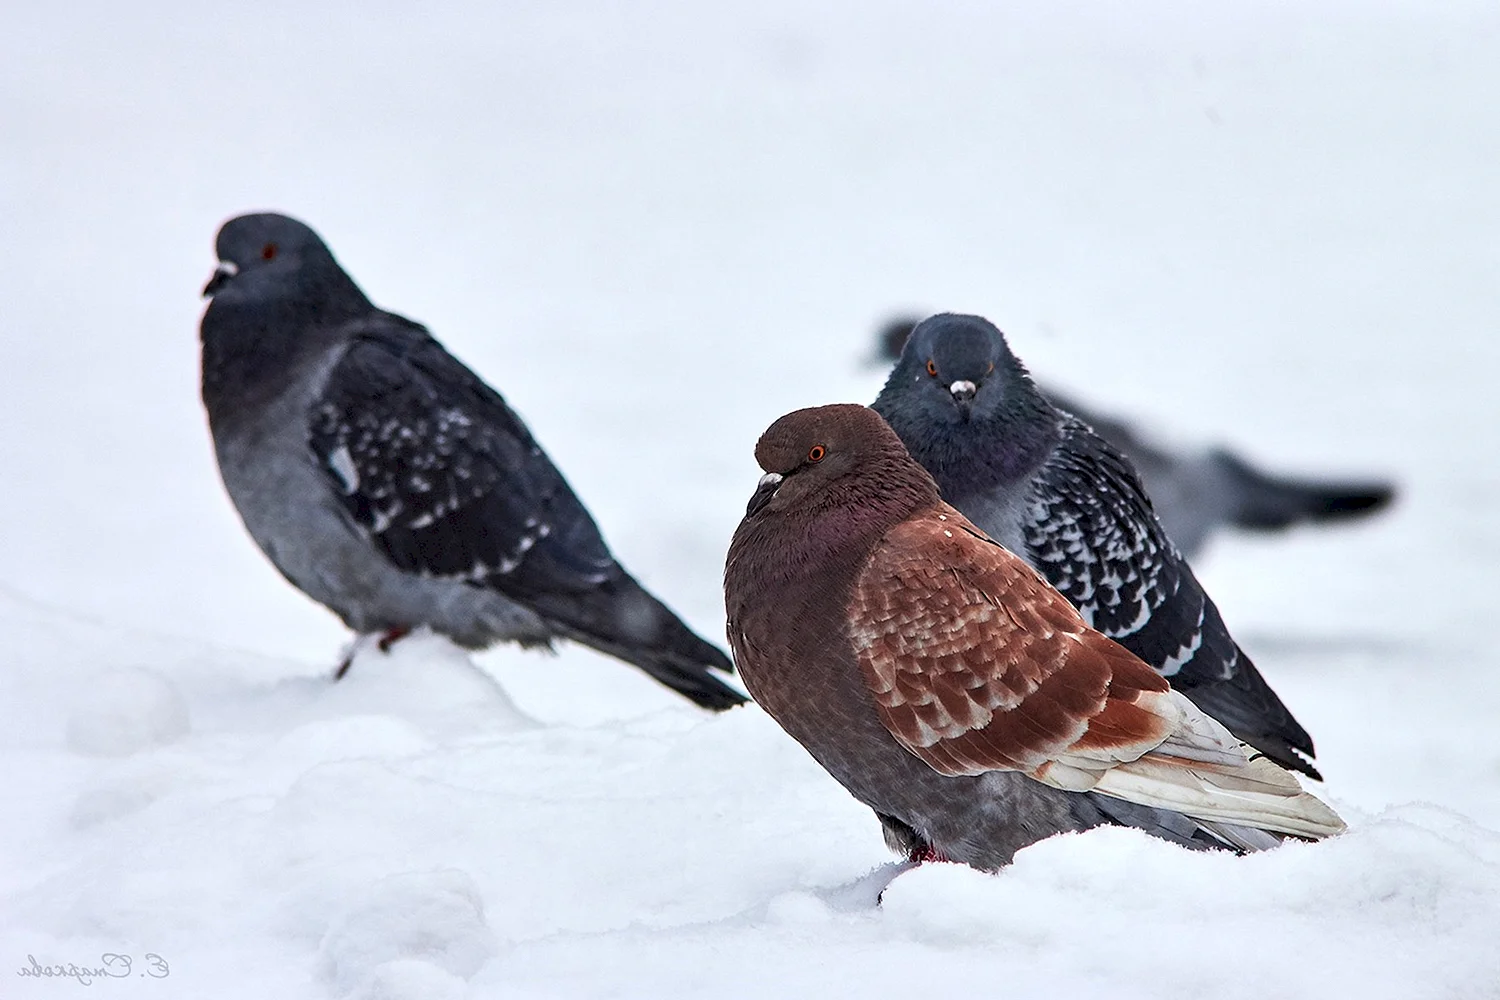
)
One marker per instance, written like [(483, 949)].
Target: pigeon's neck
[(995, 453), (253, 352), (819, 545)]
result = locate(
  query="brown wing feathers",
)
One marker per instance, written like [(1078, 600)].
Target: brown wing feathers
[(976, 664)]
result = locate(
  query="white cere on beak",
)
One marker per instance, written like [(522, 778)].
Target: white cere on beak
[(769, 479), (227, 267), (962, 387)]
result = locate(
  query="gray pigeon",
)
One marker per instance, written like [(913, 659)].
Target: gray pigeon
[(1195, 493), (1040, 482), (948, 686), (387, 481)]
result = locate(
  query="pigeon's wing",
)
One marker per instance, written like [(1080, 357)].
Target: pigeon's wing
[(976, 664), (442, 476), (1094, 536), (1117, 432), (1092, 533), (1182, 485)]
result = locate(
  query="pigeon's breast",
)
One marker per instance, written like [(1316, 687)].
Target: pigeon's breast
[(285, 500), (999, 513)]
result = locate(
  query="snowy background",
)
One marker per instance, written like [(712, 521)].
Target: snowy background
[(655, 229)]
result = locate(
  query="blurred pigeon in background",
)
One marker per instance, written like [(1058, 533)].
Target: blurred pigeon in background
[(947, 686), (388, 482), (1040, 482), (1197, 492)]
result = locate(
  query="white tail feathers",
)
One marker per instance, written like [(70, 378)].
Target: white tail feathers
[(1202, 771), (1200, 737), (1254, 793)]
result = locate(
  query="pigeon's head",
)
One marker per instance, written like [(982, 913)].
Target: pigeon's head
[(843, 455), (266, 255), (956, 368)]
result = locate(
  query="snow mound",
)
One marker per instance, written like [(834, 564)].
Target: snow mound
[(122, 791), (411, 979), (373, 737), (435, 683), (125, 711), (436, 918)]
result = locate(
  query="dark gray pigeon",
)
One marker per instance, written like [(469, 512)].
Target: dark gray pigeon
[(1195, 493), (1040, 482), (947, 686), (385, 480)]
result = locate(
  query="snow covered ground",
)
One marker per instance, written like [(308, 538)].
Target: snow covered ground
[(656, 229)]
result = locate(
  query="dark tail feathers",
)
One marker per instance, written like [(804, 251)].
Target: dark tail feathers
[(624, 621), (1245, 705), (1265, 503)]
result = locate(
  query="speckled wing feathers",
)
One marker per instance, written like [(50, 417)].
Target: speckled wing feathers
[(1092, 534), (441, 475)]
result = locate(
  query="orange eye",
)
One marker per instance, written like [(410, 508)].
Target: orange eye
[(816, 453), (268, 251), (932, 367)]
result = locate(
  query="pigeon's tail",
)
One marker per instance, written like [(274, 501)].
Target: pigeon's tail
[(1265, 503), (1255, 794), (622, 620)]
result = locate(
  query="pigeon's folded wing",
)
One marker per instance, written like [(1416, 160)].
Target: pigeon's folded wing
[(443, 477), (976, 664)]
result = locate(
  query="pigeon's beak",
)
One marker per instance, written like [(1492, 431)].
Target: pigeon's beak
[(764, 491), (222, 274), (963, 394)]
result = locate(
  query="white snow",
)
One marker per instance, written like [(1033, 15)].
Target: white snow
[(435, 918), (125, 711), (1272, 224)]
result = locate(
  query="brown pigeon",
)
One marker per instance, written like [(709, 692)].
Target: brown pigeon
[(948, 686)]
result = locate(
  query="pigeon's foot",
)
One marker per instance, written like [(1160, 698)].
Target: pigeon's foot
[(383, 640), (924, 853)]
